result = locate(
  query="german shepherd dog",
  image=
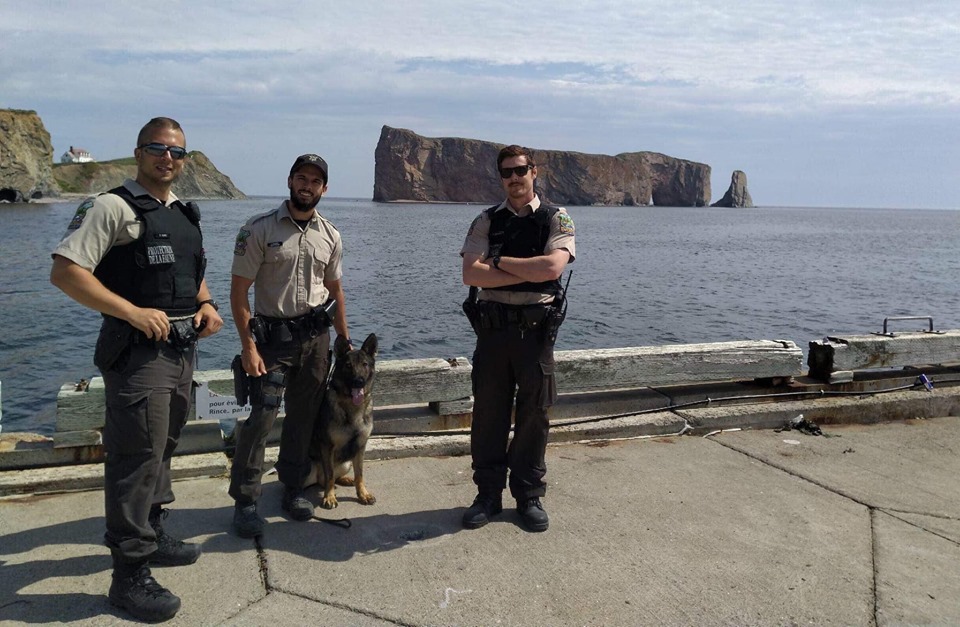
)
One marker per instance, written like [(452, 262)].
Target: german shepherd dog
[(346, 420)]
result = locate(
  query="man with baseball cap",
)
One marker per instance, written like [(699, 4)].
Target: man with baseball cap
[(292, 256)]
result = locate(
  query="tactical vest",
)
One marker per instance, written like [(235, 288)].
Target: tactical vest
[(163, 269), (513, 236)]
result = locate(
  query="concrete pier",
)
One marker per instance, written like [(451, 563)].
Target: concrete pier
[(860, 526)]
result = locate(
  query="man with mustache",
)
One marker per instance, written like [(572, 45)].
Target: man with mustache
[(514, 253), (291, 255)]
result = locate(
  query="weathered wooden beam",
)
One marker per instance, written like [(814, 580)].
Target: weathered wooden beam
[(408, 381), (80, 410), (399, 381), (446, 384), (860, 352), (612, 368)]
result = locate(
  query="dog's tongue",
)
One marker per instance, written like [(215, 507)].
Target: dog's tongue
[(357, 395)]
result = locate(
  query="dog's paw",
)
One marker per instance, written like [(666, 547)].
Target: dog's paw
[(366, 498), (329, 502), (347, 481)]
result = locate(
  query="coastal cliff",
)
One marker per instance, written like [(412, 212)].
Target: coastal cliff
[(28, 172), (26, 157), (413, 168), (199, 179)]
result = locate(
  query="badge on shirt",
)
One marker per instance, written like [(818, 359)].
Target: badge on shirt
[(566, 224), (240, 248), (80, 214), (160, 255)]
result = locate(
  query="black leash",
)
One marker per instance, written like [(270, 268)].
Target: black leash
[(343, 523)]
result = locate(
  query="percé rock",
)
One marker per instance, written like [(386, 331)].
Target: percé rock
[(199, 179), (737, 195), (412, 168), (26, 157)]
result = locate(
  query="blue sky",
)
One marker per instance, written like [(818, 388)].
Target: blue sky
[(821, 103)]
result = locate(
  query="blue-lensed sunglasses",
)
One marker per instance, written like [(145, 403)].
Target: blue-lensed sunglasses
[(157, 150)]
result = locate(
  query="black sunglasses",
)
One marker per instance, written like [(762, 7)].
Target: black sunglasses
[(157, 150), (520, 170)]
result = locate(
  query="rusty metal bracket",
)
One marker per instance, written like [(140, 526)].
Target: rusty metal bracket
[(929, 319)]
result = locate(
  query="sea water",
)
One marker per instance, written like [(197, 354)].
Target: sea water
[(643, 276)]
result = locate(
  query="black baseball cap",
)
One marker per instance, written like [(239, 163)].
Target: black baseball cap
[(310, 159)]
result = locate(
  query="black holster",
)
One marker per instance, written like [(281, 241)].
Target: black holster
[(267, 390), (114, 340), (258, 328), (472, 310), (241, 381), (556, 314), (322, 317)]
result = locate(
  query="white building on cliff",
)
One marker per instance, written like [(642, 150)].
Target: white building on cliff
[(76, 155)]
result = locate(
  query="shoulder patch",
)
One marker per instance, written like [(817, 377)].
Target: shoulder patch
[(240, 247), (80, 214), (566, 223), (473, 226)]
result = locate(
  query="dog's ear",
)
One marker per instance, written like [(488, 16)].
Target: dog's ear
[(340, 346), (370, 345)]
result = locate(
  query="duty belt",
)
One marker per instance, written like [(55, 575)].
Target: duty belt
[(499, 316), (268, 330)]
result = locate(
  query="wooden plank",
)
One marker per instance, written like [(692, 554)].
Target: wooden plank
[(67, 439), (219, 381), (459, 406), (442, 382), (861, 352), (200, 436), (613, 368), (408, 381), (80, 410), (399, 381)]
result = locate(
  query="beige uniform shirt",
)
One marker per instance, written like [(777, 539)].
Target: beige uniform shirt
[(287, 264), (100, 223), (477, 242)]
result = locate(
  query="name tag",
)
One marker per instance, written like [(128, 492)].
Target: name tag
[(274, 244)]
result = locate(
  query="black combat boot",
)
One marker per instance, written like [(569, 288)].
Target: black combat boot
[(246, 521), (533, 515), (170, 551), (136, 591), (486, 505), (296, 504)]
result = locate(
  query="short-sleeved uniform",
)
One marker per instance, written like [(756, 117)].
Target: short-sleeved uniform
[(509, 360), (288, 265), (147, 390)]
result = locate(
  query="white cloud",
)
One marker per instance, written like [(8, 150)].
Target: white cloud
[(710, 80)]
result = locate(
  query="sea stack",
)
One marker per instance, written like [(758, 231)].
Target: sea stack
[(737, 195)]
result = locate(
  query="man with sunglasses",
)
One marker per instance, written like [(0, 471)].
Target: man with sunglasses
[(135, 254), (291, 256), (515, 252)]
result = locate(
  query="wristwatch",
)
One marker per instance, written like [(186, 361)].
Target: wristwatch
[(210, 302), (496, 261)]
